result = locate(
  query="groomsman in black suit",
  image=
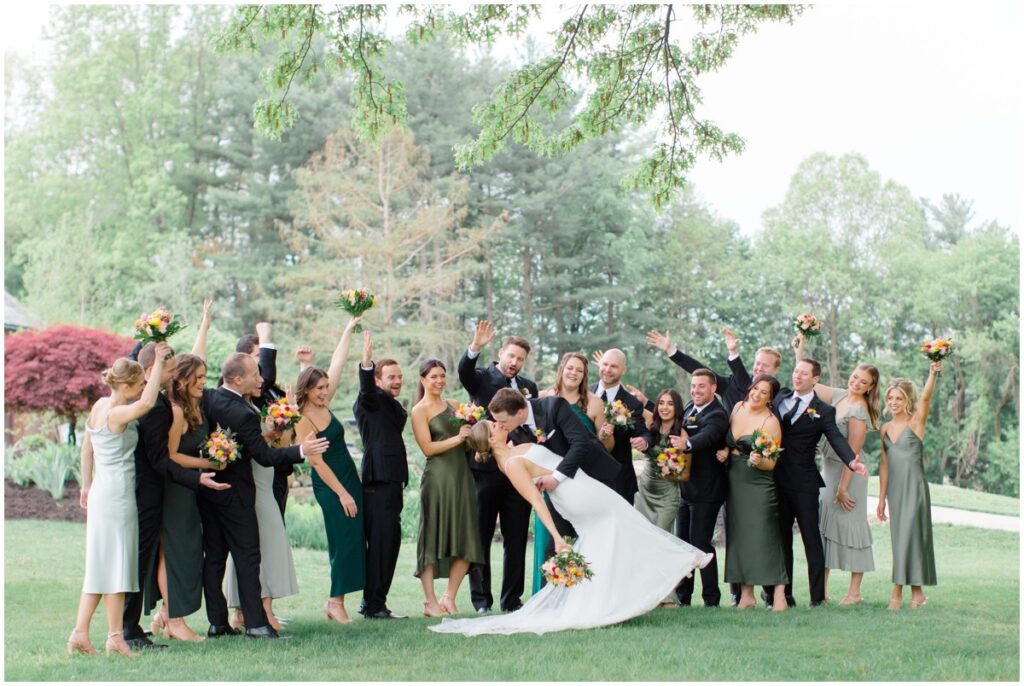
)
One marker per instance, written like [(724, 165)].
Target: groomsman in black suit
[(551, 419), (381, 420), (153, 465), (706, 423), (805, 419), (609, 388), (229, 519), (495, 496)]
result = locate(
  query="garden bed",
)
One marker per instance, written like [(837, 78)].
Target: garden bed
[(29, 502)]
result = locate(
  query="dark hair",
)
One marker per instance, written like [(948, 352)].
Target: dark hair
[(188, 367), (379, 367), (708, 373), (516, 340), (584, 389), (234, 365), (507, 400), (246, 342), (147, 356), (677, 419), (773, 385), (307, 381), (815, 365), (425, 368)]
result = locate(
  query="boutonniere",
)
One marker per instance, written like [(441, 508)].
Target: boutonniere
[(811, 412), (691, 421), (539, 433), (526, 392)]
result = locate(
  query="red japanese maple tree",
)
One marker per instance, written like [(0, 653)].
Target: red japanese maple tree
[(58, 370)]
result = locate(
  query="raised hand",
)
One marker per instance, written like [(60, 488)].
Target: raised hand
[(314, 446), (483, 335), (732, 343), (206, 480), (367, 349), (936, 366), (637, 393), (304, 354), (598, 356), (207, 316), (352, 322), (263, 331), (163, 352), (661, 341)]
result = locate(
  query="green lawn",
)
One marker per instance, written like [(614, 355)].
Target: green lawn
[(969, 630), (964, 499)]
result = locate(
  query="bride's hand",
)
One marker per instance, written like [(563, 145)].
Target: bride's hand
[(561, 546)]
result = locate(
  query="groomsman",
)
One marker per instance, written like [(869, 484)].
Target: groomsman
[(381, 419), (153, 465), (805, 419), (495, 496), (229, 521), (706, 424), (609, 388)]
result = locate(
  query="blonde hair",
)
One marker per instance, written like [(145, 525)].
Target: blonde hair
[(771, 352), (123, 372), (907, 388), (479, 441)]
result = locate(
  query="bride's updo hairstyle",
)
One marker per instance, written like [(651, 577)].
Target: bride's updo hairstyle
[(123, 372), (479, 441)]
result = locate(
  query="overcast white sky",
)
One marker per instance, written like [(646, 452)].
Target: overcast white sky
[(930, 93)]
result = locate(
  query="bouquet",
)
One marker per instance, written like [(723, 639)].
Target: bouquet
[(807, 324), (222, 447), (157, 326), (937, 350), (566, 569), (467, 413), (617, 414), (356, 301), (280, 416), (764, 445), (673, 465)]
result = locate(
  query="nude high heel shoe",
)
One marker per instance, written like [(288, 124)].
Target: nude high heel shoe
[(79, 642), (122, 649)]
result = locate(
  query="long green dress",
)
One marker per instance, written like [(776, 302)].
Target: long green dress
[(910, 511), (182, 539), (846, 535), (541, 538), (448, 512), (346, 541), (657, 498), (753, 546)]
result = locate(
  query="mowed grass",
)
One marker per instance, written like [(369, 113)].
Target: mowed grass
[(944, 495), (969, 630)]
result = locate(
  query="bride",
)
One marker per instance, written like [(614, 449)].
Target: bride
[(635, 564)]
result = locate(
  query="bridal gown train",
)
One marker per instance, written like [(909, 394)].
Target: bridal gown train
[(635, 564)]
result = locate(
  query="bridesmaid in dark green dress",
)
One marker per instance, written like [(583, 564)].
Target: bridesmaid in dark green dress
[(753, 546), (449, 541), (901, 481), (336, 484), (572, 376)]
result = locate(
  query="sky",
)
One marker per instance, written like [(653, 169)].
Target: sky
[(929, 93)]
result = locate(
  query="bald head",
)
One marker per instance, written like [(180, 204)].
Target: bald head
[(612, 367)]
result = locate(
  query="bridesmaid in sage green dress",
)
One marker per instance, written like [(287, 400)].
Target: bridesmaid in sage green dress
[(658, 498), (449, 540), (901, 482), (336, 484), (753, 552), (571, 377)]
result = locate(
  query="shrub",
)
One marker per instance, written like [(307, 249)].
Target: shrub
[(47, 467), (305, 525)]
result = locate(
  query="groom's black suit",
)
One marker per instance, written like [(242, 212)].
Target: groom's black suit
[(799, 482), (496, 498), (229, 517)]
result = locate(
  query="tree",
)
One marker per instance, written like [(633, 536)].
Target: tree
[(58, 370), (626, 59)]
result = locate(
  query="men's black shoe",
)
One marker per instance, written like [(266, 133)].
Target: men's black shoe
[(483, 610), (218, 630), (819, 603), (711, 604), (734, 600), (383, 614), (506, 610), (791, 601), (263, 632), (143, 643), (767, 597), (684, 603)]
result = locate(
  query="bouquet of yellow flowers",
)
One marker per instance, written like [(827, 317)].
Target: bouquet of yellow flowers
[(938, 349), (467, 413), (807, 324), (222, 447), (566, 569), (280, 416), (617, 414), (673, 465), (767, 447), (356, 301), (157, 326)]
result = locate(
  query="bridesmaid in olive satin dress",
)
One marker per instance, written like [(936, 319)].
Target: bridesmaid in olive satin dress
[(657, 498), (902, 484)]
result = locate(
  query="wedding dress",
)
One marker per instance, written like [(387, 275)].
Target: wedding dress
[(635, 564)]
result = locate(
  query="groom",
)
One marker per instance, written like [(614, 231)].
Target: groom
[(805, 419)]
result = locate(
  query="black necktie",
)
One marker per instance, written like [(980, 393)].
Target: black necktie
[(604, 396), (529, 435), (792, 412)]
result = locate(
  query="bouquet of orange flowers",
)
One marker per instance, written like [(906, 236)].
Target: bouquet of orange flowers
[(222, 447), (938, 349), (566, 569), (468, 413), (157, 326), (673, 465), (356, 301), (764, 445), (280, 416), (807, 324), (617, 414)]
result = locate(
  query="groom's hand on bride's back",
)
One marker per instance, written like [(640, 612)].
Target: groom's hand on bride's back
[(546, 484)]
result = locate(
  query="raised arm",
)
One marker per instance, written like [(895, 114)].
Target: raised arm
[(430, 447), (664, 342), (924, 405), (469, 375), (367, 398), (199, 347), (798, 343), (339, 357), (120, 416)]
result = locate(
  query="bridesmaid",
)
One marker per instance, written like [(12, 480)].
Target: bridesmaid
[(752, 543), (336, 484), (112, 523), (843, 509), (573, 371), (658, 499), (448, 539), (901, 480)]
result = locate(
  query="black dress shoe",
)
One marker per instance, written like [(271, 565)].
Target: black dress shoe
[(483, 610), (734, 600), (820, 603), (263, 632), (218, 630), (383, 614), (766, 598), (791, 601), (143, 643), (506, 610)]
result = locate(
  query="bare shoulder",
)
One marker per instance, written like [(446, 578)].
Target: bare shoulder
[(546, 393)]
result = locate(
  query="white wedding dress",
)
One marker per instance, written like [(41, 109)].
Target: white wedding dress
[(635, 564)]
